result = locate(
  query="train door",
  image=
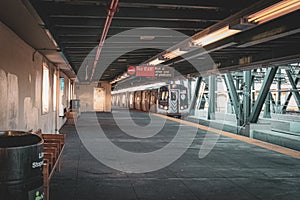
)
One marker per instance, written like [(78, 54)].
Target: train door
[(152, 102), (131, 100), (174, 101)]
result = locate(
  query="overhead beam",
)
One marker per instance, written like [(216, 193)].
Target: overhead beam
[(83, 40), (269, 77), (191, 4), (83, 47), (140, 45), (58, 9), (85, 22), (126, 27), (94, 31)]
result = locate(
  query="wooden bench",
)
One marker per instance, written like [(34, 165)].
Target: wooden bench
[(53, 147)]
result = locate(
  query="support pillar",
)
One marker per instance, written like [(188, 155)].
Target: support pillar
[(253, 88), (233, 95), (273, 103), (246, 96), (195, 96), (267, 110), (279, 89), (289, 96), (212, 97), (294, 87), (269, 77), (237, 82)]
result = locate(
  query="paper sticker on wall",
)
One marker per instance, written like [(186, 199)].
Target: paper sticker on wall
[(38, 92), (13, 101), (30, 115), (3, 100)]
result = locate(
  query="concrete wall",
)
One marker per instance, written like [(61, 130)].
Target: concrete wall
[(85, 93), (21, 86)]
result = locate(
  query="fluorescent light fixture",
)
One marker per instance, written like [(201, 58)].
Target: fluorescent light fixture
[(295, 64), (122, 60), (215, 36), (147, 37), (277, 10), (174, 54), (119, 78), (156, 62)]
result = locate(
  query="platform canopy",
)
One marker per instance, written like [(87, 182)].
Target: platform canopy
[(248, 36)]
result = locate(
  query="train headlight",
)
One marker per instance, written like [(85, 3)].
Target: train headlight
[(161, 106), (166, 107), (185, 106), (181, 107)]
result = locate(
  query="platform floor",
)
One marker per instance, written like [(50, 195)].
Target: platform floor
[(232, 170)]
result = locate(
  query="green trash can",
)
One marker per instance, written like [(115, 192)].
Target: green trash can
[(21, 166)]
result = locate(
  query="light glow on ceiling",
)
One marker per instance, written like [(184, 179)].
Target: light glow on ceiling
[(215, 36), (277, 10)]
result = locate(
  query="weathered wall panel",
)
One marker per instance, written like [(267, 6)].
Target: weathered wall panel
[(21, 86), (85, 93)]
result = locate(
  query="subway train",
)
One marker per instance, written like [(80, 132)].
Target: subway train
[(170, 99)]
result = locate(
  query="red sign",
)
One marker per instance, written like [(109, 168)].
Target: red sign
[(148, 71), (131, 70)]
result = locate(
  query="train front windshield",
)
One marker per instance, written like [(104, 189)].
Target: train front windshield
[(163, 100), (163, 94)]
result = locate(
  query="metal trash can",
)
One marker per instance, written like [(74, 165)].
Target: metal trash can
[(75, 105), (21, 166)]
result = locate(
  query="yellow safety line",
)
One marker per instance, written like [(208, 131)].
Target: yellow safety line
[(272, 147)]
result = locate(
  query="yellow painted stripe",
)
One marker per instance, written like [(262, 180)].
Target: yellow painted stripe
[(272, 147)]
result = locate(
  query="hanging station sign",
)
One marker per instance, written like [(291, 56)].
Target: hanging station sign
[(151, 71), (131, 70)]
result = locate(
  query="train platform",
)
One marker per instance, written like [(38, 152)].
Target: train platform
[(234, 169), (282, 130)]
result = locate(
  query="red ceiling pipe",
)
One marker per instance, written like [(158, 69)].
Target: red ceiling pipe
[(111, 11)]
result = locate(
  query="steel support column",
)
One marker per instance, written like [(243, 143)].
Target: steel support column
[(267, 110), (294, 87), (237, 83), (273, 103), (195, 96), (247, 96), (269, 77), (289, 96), (279, 88), (253, 88), (233, 95), (212, 97), (190, 87)]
